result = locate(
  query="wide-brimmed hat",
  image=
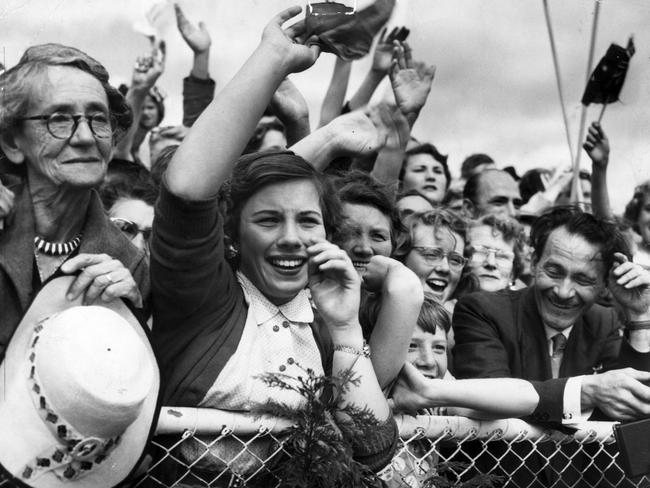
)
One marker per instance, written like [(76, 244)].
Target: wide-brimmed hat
[(78, 393)]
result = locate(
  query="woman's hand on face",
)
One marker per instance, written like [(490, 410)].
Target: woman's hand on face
[(101, 277), (334, 284), (298, 53)]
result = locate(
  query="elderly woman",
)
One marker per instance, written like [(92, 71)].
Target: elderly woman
[(218, 326), (59, 120), (494, 251)]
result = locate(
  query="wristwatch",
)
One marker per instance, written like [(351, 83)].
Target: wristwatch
[(364, 351)]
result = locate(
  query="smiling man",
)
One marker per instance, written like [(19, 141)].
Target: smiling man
[(555, 329)]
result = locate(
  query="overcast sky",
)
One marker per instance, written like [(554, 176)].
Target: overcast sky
[(494, 91)]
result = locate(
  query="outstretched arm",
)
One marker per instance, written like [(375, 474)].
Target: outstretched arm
[(597, 147), (499, 397), (206, 156)]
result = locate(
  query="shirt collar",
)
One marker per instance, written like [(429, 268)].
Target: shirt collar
[(297, 309), (551, 332)]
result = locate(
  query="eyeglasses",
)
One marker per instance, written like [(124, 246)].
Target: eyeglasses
[(62, 125), (433, 255), (131, 229), (480, 253)]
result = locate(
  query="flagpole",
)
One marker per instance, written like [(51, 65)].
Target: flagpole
[(558, 80), (576, 195)]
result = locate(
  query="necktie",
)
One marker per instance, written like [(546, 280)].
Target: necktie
[(559, 344)]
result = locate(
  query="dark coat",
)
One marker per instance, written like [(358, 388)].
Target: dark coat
[(18, 286)]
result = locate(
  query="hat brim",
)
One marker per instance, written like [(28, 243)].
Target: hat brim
[(21, 427)]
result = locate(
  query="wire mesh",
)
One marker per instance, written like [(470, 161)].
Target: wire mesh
[(211, 448)]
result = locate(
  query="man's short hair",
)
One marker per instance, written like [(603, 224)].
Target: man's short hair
[(472, 162), (596, 231)]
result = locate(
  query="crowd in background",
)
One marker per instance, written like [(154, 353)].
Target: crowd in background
[(250, 242)]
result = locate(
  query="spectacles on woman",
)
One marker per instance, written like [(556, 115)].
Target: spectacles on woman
[(433, 255), (480, 254), (62, 125), (131, 229)]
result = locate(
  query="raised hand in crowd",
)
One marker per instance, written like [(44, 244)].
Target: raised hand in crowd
[(381, 65), (219, 135), (290, 107), (101, 277), (354, 134), (597, 147), (6, 204), (553, 186), (629, 284), (146, 71), (411, 81), (198, 39)]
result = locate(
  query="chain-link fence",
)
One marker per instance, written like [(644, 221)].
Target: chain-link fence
[(212, 448)]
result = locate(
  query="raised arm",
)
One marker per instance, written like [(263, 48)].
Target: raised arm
[(597, 147), (206, 156), (336, 287), (353, 134), (411, 81), (198, 87), (198, 39), (335, 95), (381, 65), (290, 107), (401, 298), (146, 72)]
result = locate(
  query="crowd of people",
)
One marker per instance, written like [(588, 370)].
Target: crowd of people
[(247, 243)]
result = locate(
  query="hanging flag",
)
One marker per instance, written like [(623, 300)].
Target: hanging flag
[(605, 84), (344, 31)]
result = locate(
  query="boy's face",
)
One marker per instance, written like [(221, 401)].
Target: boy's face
[(428, 352)]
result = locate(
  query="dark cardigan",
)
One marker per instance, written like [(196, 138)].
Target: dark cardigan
[(199, 310)]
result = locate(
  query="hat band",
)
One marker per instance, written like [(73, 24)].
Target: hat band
[(74, 455)]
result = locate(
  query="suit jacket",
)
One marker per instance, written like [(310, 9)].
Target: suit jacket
[(18, 286), (501, 334)]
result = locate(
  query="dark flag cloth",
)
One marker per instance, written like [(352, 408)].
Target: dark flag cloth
[(606, 82), (342, 31)]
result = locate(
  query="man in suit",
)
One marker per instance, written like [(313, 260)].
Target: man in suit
[(554, 329)]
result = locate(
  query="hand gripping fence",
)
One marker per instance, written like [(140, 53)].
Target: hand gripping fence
[(196, 447)]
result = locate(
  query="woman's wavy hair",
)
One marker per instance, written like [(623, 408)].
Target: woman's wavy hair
[(255, 171), (633, 207), (438, 218), (360, 188), (427, 148), (17, 83)]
